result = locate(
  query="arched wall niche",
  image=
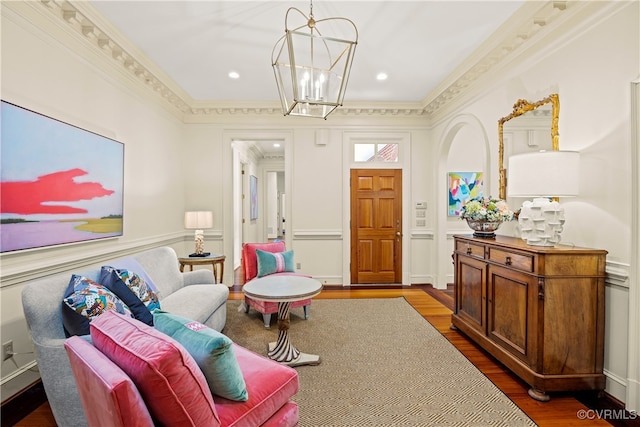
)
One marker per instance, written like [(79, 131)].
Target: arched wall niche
[(464, 143)]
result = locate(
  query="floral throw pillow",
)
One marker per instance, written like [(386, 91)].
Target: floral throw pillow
[(133, 290), (85, 300)]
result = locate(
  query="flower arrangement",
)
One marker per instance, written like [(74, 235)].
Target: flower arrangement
[(487, 209)]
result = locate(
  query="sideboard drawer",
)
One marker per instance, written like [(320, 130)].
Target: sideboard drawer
[(518, 261), (471, 249)]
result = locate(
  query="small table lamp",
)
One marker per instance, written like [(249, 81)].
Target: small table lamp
[(198, 220), (543, 175)]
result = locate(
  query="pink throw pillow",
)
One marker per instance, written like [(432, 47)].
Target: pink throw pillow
[(168, 378)]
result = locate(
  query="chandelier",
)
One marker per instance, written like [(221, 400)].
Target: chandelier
[(311, 67)]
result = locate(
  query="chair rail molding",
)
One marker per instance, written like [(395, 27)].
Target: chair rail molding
[(42, 266), (317, 234), (421, 234)]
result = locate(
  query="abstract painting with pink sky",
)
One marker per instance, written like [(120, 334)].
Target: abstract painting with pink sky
[(59, 183)]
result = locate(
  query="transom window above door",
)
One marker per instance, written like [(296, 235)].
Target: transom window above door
[(375, 152)]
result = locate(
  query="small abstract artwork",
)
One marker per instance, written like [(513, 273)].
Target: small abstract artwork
[(58, 183), (463, 186), (253, 193)]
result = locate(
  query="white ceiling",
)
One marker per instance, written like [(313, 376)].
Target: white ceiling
[(197, 43)]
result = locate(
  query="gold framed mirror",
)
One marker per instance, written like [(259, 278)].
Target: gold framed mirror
[(545, 111)]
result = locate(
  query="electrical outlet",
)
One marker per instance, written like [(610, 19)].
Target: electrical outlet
[(7, 350), (298, 266)]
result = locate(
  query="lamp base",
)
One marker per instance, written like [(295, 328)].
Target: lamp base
[(541, 222), (202, 255)]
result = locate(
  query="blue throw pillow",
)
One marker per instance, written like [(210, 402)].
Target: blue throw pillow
[(274, 262), (212, 351), (84, 300), (133, 290)]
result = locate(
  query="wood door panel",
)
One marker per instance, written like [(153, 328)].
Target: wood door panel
[(386, 183), (365, 213), (471, 302), (509, 316), (569, 321), (386, 214), (364, 183), (376, 225), (387, 255), (365, 255)]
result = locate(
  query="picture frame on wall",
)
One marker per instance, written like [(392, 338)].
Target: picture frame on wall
[(59, 183), (253, 193), (462, 187)]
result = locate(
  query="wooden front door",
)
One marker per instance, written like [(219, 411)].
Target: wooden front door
[(376, 226)]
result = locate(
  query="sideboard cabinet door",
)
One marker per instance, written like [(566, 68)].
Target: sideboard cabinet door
[(512, 319), (471, 296)]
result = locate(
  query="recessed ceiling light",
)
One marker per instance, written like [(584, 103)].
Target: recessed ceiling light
[(276, 145), (382, 76), (234, 75)]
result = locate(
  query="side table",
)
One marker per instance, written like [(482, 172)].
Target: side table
[(216, 261), (284, 290)]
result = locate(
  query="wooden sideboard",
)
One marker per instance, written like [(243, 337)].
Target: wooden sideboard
[(538, 310)]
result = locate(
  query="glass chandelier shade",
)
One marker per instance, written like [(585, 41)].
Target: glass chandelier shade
[(311, 68)]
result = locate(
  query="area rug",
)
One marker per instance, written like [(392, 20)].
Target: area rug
[(382, 364)]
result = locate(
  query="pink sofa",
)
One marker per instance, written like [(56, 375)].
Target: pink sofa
[(171, 390), (250, 270)]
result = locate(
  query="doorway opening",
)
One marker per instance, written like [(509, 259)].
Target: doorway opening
[(258, 191)]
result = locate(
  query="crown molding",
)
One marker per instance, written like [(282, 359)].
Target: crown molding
[(533, 17), (108, 44), (531, 20)]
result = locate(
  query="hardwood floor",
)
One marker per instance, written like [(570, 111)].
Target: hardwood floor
[(562, 410)]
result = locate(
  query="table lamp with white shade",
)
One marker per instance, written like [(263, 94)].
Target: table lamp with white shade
[(198, 220), (543, 175)]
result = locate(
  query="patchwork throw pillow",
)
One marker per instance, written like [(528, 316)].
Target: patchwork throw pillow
[(133, 290), (274, 262), (85, 300), (169, 380), (133, 265), (212, 351)]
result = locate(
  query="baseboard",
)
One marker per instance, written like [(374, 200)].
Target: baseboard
[(23, 403), (607, 407)]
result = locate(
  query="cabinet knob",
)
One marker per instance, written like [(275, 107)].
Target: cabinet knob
[(508, 260), (469, 251)]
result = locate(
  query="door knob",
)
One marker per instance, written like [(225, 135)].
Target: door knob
[(398, 233)]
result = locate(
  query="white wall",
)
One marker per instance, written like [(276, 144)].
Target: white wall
[(271, 202), (591, 72), (52, 77)]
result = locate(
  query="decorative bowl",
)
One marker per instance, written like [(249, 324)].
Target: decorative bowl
[(483, 228)]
